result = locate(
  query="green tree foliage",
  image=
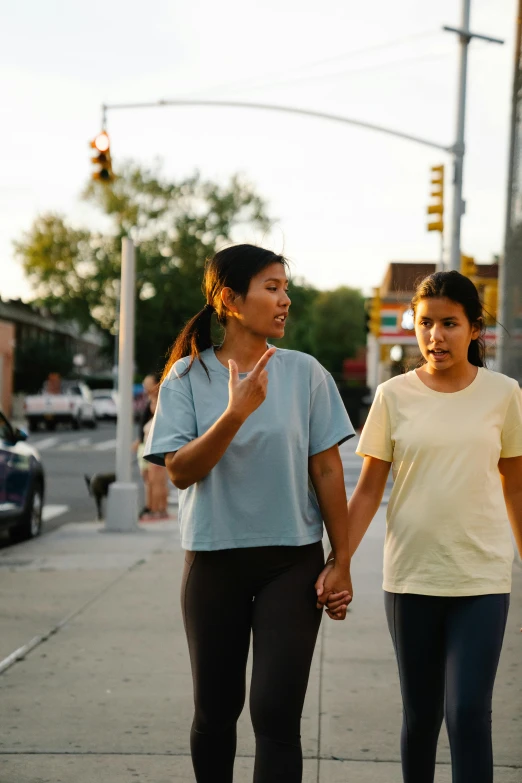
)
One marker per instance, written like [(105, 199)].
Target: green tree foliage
[(299, 332), (175, 227), (338, 327)]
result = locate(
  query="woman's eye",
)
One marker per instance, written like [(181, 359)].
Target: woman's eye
[(271, 288)]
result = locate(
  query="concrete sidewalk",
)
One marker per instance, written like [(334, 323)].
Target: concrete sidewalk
[(103, 689)]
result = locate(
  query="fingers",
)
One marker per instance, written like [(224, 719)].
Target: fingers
[(263, 361), (341, 615), (338, 600), (319, 585), (333, 601), (234, 374)]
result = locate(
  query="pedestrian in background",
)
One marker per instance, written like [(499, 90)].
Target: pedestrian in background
[(242, 427), (452, 431), (155, 480)]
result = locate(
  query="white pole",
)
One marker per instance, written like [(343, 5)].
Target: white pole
[(458, 205), (122, 502)]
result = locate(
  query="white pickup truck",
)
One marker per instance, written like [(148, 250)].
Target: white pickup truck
[(73, 406)]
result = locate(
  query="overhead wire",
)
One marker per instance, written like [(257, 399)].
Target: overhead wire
[(253, 82)]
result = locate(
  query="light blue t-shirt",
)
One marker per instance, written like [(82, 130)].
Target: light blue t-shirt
[(259, 493)]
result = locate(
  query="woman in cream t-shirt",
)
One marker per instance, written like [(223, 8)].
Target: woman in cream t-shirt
[(452, 432)]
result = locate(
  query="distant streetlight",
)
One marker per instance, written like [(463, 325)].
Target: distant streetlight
[(396, 353)]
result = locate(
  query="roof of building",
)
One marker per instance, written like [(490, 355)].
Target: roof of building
[(402, 277), (17, 312)]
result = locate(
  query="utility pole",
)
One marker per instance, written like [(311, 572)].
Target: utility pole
[(465, 36), (122, 502), (510, 273)]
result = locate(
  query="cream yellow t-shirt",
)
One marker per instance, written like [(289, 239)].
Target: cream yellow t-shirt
[(447, 529)]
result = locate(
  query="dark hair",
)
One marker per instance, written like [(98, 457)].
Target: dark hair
[(234, 267), (458, 288)]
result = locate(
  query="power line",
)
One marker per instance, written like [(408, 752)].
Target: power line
[(388, 64), (249, 83)]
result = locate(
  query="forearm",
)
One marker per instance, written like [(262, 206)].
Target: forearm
[(514, 510), (362, 508), (194, 461), (331, 494)]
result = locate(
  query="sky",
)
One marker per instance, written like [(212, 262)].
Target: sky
[(345, 201)]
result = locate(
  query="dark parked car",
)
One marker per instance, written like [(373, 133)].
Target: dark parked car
[(22, 483)]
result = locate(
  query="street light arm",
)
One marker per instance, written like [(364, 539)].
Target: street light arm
[(274, 107)]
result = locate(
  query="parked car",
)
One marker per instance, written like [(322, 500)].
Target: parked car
[(71, 404), (22, 483), (105, 403)]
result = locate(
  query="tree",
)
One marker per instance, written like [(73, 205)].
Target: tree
[(299, 332), (175, 227), (338, 327)]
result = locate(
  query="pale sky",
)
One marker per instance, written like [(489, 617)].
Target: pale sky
[(347, 201)]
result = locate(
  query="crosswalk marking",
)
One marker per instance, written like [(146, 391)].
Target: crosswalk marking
[(105, 445), (75, 445), (80, 444), (46, 443), (50, 512)]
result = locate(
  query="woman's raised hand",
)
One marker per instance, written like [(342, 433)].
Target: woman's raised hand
[(246, 395)]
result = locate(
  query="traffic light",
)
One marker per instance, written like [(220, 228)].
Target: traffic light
[(102, 159), (467, 266), (490, 300), (374, 313), (437, 179)]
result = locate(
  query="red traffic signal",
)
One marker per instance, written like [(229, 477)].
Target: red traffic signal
[(102, 160)]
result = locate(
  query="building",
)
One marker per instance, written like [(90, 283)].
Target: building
[(21, 324), (392, 346), (7, 346)]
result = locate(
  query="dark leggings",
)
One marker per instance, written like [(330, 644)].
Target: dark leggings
[(447, 651), (226, 595)]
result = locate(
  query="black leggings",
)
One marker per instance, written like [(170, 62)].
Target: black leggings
[(448, 651), (225, 596)]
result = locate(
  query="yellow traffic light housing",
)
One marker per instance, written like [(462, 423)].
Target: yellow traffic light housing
[(102, 159), (374, 312), (467, 266), (438, 193)]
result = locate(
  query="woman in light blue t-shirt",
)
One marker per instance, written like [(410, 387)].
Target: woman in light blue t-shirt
[(250, 434)]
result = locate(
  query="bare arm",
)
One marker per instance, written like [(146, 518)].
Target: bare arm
[(361, 509), (327, 475), (366, 498), (511, 475), (193, 462)]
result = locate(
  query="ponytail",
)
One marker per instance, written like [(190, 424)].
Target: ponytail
[(194, 338)]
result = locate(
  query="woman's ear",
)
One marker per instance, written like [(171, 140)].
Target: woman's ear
[(476, 329), (228, 298)]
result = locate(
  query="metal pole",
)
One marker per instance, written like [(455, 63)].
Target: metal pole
[(508, 265), (116, 335), (458, 205), (122, 503)]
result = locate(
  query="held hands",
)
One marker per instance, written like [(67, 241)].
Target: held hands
[(245, 396), (334, 590)]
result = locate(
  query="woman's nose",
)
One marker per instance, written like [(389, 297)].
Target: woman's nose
[(436, 333)]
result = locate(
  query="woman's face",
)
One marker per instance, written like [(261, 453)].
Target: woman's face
[(264, 310), (443, 332)]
